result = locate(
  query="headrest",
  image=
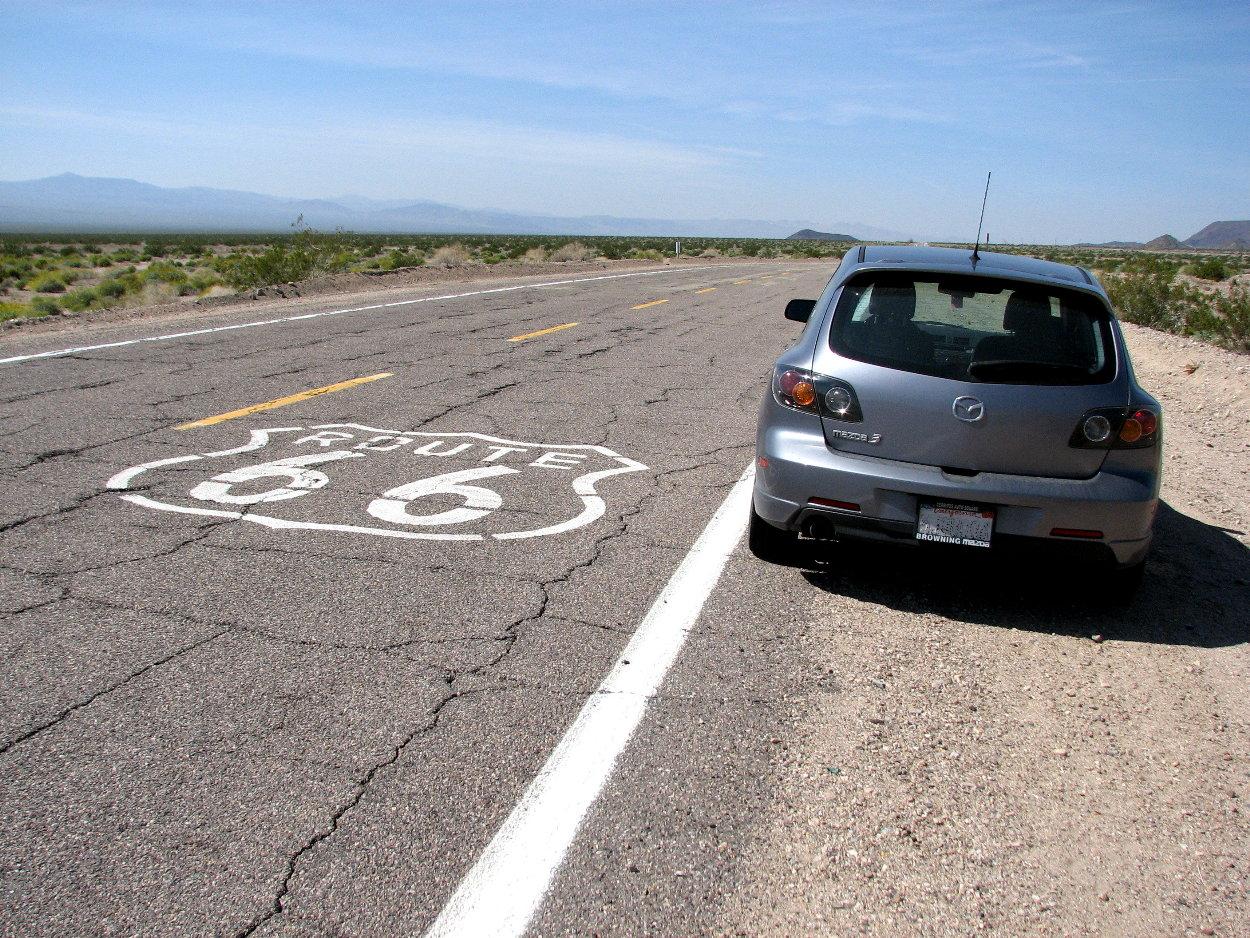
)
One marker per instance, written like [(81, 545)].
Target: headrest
[(893, 299), (1027, 311)]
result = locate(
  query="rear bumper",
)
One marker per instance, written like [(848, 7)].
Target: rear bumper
[(800, 466)]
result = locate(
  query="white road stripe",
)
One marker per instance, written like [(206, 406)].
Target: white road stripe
[(500, 895), (58, 353)]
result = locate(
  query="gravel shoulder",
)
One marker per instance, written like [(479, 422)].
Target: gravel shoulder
[(1002, 755)]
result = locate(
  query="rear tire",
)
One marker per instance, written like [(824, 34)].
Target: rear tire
[(770, 544)]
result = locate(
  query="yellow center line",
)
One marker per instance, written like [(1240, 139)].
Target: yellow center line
[(652, 303), (741, 281), (706, 290), (282, 401), (534, 335)]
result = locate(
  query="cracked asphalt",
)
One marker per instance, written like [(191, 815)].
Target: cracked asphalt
[(212, 726)]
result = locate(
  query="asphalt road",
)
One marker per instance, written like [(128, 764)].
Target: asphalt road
[(311, 713), (218, 726)]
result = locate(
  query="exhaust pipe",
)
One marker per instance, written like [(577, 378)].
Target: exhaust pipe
[(819, 529)]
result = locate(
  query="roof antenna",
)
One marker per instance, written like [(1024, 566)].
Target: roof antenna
[(977, 246)]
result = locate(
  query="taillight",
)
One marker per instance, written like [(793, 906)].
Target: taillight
[(805, 390), (1141, 424), (1117, 428)]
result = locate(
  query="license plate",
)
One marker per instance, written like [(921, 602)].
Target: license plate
[(953, 523)]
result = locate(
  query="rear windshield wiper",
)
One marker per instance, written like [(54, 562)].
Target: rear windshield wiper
[(1018, 368)]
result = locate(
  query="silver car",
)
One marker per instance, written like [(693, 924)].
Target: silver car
[(959, 402)]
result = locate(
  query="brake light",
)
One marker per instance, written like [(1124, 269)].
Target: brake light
[(1117, 428), (804, 390), (798, 387), (1141, 423)]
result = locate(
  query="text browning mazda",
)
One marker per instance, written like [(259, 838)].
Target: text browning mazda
[(942, 397)]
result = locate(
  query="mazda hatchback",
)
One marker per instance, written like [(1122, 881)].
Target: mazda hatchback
[(953, 401)]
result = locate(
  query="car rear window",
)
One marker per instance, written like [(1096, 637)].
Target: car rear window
[(979, 329)]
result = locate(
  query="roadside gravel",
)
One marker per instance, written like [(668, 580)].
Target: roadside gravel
[(1006, 757)]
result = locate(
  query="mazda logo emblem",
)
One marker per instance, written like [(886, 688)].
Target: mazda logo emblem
[(968, 409)]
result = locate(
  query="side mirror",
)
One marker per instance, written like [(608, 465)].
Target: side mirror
[(800, 310)]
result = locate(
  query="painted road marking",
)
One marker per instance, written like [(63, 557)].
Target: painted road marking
[(282, 401), (504, 888), (398, 469), (13, 359), (706, 290), (736, 282), (652, 303), (535, 335)]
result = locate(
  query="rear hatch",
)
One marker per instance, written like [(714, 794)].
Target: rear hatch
[(975, 374)]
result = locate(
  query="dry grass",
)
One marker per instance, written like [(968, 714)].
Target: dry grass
[(450, 255), (573, 251)]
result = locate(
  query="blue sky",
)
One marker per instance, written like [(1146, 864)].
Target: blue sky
[(1099, 120)]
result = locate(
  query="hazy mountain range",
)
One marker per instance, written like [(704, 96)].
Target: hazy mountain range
[(1219, 235), (86, 203)]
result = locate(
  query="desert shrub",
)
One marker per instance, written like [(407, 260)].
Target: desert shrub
[(286, 260), (202, 281), (534, 255), (44, 306), (1146, 295), (1234, 310), (13, 310), (50, 281), (573, 251), (80, 299), (112, 289), (646, 254), (1150, 296), (709, 252), (165, 272), (155, 248), (450, 255), (1209, 268), (400, 258)]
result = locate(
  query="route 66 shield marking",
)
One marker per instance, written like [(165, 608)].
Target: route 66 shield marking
[(356, 479)]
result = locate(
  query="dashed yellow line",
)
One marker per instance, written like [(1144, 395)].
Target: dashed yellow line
[(741, 281), (534, 335), (706, 290), (282, 401), (652, 303)]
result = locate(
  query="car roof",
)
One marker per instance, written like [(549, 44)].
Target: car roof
[(959, 260)]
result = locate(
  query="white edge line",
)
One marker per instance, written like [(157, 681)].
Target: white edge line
[(59, 353), (504, 889)]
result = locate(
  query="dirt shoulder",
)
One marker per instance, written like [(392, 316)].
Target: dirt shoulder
[(348, 286), (1004, 757)]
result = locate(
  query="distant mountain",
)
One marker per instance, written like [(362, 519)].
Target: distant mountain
[(1164, 243), (1234, 235), (806, 234), (84, 203)]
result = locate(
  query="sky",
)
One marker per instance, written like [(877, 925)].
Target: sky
[(1100, 121)]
